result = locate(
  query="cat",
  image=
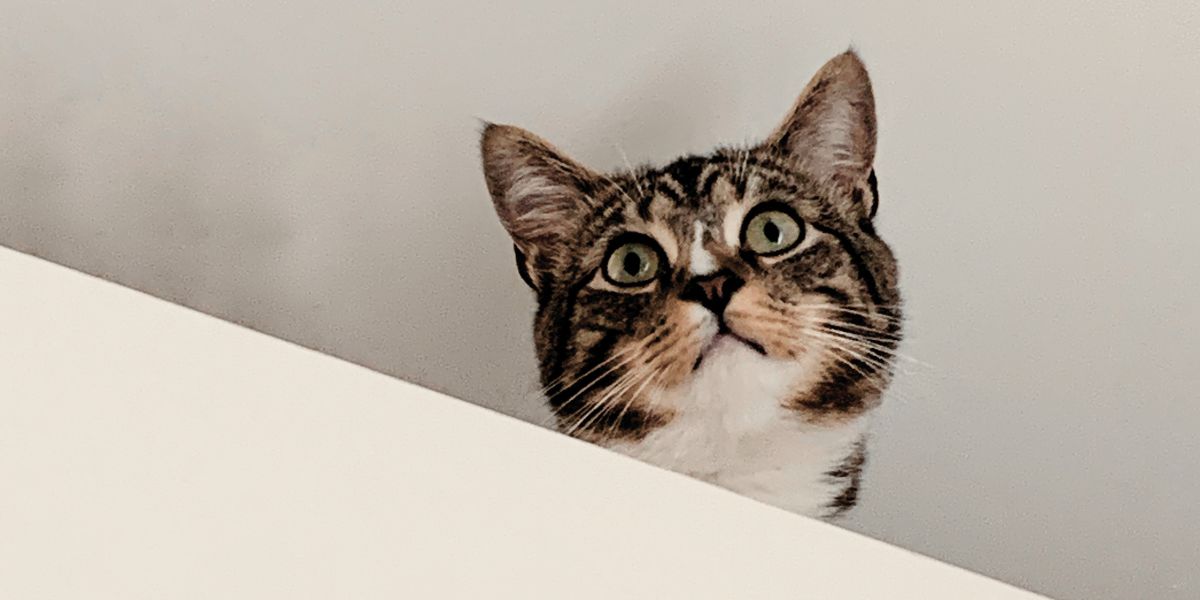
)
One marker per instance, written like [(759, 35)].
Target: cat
[(733, 316)]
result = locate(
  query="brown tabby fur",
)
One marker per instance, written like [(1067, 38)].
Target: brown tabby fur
[(607, 353)]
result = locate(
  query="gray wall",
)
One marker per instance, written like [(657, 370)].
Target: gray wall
[(309, 169)]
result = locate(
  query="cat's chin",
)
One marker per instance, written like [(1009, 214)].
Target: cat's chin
[(725, 346)]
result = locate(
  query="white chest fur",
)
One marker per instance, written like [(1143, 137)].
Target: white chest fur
[(731, 429)]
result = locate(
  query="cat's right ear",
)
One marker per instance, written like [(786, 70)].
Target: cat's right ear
[(540, 195)]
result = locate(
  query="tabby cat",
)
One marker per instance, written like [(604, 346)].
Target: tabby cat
[(732, 316)]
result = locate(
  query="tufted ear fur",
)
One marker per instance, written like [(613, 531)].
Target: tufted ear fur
[(540, 195), (830, 132)]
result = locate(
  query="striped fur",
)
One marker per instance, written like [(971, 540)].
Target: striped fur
[(757, 372)]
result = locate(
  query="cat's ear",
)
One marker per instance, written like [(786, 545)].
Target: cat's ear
[(540, 194), (830, 132)]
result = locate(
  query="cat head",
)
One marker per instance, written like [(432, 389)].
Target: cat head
[(759, 262)]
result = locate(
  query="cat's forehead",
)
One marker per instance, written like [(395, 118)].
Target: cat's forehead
[(692, 182), (703, 190)]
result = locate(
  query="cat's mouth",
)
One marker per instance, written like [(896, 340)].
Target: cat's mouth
[(724, 337)]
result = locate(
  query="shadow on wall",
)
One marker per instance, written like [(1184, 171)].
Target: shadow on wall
[(163, 199), (332, 234)]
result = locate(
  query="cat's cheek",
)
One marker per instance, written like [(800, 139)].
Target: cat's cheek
[(750, 316), (696, 326)]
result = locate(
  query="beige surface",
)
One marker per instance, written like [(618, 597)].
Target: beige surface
[(147, 451), (309, 168)]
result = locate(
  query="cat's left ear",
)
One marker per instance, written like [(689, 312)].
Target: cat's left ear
[(829, 135), (541, 196)]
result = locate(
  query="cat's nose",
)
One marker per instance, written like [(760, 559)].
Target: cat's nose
[(712, 291)]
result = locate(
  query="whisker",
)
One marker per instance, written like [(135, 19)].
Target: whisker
[(551, 387), (546, 392), (632, 171), (868, 377), (875, 345), (883, 345), (868, 356), (623, 383), (580, 392), (631, 398), (621, 189), (645, 344), (883, 388), (856, 329), (605, 398), (607, 401), (850, 304), (879, 351), (856, 353), (879, 361), (845, 309), (596, 405)]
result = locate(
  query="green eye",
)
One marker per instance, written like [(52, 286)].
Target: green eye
[(771, 232), (632, 263)]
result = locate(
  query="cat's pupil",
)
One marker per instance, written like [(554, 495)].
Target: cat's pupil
[(771, 232), (632, 264)]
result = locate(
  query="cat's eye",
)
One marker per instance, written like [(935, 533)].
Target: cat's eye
[(771, 231), (632, 261)]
